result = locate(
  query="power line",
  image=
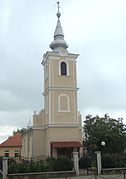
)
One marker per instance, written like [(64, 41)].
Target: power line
[(6, 126)]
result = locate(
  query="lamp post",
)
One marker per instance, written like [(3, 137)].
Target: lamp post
[(102, 151), (99, 163)]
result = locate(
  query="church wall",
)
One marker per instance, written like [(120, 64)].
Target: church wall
[(59, 120), (46, 118), (39, 119), (61, 116), (38, 142), (46, 75), (62, 134), (46, 106), (63, 81), (26, 150)]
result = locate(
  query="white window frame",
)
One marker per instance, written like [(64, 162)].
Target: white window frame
[(67, 67)]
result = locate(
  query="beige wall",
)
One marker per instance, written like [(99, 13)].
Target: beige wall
[(63, 81), (38, 142), (33, 143), (64, 117), (27, 140), (10, 149), (39, 119), (62, 134), (56, 80), (41, 139), (56, 85), (48, 124)]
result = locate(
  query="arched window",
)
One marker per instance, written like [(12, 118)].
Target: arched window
[(63, 67), (63, 102)]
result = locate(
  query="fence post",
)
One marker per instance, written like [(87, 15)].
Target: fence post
[(95, 176), (5, 167), (76, 164), (99, 165), (124, 175)]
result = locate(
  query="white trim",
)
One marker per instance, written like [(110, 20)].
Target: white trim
[(63, 110), (59, 104), (57, 126), (46, 104), (49, 74), (56, 55), (60, 88), (49, 107), (75, 106), (62, 126), (46, 72)]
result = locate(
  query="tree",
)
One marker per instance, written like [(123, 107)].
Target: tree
[(98, 129), (22, 131)]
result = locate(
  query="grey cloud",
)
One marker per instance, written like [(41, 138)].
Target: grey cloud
[(29, 30)]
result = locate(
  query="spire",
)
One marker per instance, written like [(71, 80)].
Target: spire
[(59, 43)]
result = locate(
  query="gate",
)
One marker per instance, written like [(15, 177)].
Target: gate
[(88, 163)]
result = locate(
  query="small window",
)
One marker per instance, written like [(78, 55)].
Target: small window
[(63, 68), (6, 153), (16, 153)]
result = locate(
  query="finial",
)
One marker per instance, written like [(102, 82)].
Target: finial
[(58, 43), (58, 13)]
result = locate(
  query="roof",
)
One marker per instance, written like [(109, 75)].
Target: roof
[(59, 41), (66, 144), (13, 141)]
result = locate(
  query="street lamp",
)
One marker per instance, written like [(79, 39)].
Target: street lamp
[(99, 163), (103, 143)]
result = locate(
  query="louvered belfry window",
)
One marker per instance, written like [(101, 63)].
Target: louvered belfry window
[(63, 68)]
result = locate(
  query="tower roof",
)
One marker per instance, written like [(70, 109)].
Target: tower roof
[(58, 43)]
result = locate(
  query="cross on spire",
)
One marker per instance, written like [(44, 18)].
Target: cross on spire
[(58, 43), (58, 13), (58, 5)]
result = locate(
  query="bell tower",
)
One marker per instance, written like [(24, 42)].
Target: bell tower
[(62, 120), (56, 129)]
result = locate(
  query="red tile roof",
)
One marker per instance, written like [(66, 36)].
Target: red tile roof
[(66, 144), (13, 141)]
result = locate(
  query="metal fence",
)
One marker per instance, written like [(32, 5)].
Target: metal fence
[(40, 175)]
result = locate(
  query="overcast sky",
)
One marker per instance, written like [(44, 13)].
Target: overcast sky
[(96, 29)]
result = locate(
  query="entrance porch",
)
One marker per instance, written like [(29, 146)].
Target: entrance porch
[(64, 148)]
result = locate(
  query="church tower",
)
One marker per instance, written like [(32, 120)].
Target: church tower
[(62, 120), (56, 129)]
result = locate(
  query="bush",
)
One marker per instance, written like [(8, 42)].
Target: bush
[(113, 160), (62, 164), (108, 161), (48, 165)]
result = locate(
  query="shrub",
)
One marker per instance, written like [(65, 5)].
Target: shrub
[(108, 161), (62, 164), (113, 160), (48, 165)]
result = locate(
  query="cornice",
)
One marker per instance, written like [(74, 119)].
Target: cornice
[(60, 88), (56, 126)]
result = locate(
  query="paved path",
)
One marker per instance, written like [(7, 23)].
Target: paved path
[(119, 176)]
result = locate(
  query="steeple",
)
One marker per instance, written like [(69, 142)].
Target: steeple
[(59, 44)]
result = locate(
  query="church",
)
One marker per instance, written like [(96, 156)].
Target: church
[(56, 129)]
